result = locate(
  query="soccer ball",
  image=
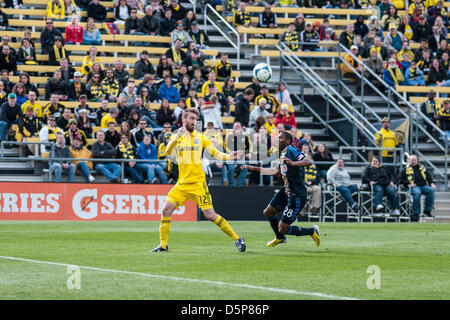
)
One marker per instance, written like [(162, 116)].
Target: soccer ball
[(262, 72)]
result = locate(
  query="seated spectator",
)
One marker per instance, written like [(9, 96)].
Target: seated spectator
[(91, 35), (21, 93), (180, 34), (133, 118), (53, 107), (435, 38), (74, 31), (406, 28), (164, 113), (419, 179), (24, 79), (4, 22), (241, 17), (415, 4), (163, 64), (28, 127), (112, 135), (103, 149), (168, 91), (291, 38), (63, 121), (121, 74), (189, 19), (31, 102), (222, 102), (48, 36), (148, 151), (272, 103), (178, 11), (421, 30), (199, 37), (26, 54), (443, 48), (84, 123), (73, 132), (57, 52), (391, 17), (102, 111), (441, 26), (167, 23), (89, 60), (55, 10), (437, 75), (142, 130), (133, 23), (394, 39), (424, 62), (121, 12), (150, 22), (175, 55), (414, 76), (346, 38), (242, 108), (312, 180), (193, 62), (405, 49), (96, 11), (143, 66), (109, 117), (78, 151), (360, 27), (184, 86), (267, 19), (340, 177), (8, 61), (71, 9), (347, 69), (158, 9), (94, 89), (430, 108), (10, 113), (125, 150), (110, 86), (382, 51), (76, 88), (129, 93), (444, 121), (326, 32), (67, 72), (96, 68), (299, 22), (258, 111), (376, 65), (223, 68), (382, 182), (322, 155), (393, 75), (283, 96), (48, 133), (61, 151), (57, 85)]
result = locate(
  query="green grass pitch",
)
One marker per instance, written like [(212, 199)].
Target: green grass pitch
[(203, 263)]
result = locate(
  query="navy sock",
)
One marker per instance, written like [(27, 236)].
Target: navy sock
[(274, 221), (296, 231)]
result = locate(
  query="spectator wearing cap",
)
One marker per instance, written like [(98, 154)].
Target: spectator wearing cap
[(97, 11), (84, 123), (10, 113), (267, 19), (74, 31), (76, 87), (28, 126), (48, 36), (198, 36), (394, 39), (389, 17), (150, 22), (57, 52), (422, 30), (310, 39), (55, 10), (258, 111), (180, 34), (110, 117), (285, 117), (74, 132), (386, 138), (8, 61), (299, 23), (347, 69), (91, 35), (143, 66)]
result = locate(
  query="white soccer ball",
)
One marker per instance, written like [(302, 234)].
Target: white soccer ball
[(262, 72)]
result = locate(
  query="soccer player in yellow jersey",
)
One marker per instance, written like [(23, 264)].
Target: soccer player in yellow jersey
[(188, 146)]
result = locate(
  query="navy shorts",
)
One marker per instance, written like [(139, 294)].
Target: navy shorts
[(290, 207)]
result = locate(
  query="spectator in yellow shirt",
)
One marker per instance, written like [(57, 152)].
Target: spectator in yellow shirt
[(56, 10), (110, 117)]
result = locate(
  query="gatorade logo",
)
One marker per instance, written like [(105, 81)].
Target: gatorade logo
[(84, 204)]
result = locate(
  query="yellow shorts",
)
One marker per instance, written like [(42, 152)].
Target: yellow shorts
[(198, 193)]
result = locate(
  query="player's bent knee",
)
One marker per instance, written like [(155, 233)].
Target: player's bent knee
[(269, 212)]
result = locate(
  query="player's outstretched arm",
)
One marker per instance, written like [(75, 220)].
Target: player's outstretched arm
[(307, 161), (263, 171)]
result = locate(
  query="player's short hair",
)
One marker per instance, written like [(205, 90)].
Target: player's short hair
[(191, 110), (287, 135)]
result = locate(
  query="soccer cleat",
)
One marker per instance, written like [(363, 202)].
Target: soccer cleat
[(316, 236), (276, 241), (160, 249), (240, 244)]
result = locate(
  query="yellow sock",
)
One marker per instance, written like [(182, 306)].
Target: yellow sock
[(164, 230), (225, 227)]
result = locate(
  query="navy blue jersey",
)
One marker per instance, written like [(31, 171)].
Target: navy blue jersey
[(293, 177)]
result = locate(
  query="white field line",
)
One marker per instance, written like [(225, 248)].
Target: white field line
[(208, 282)]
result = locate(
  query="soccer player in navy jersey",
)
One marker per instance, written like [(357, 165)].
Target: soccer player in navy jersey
[(293, 195)]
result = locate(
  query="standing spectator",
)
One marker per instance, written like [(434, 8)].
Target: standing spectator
[(430, 108), (386, 138), (26, 54), (340, 177), (91, 35), (143, 66), (61, 151), (125, 150), (150, 22), (8, 61), (283, 96), (285, 117), (148, 151), (55, 10), (96, 11), (48, 36), (242, 108), (57, 52), (360, 27), (267, 19), (382, 182), (312, 180), (10, 113), (74, 32), (103, 149), (56, 85), (178, 11), (238, 140), (78, 151), (76, 87), (322, 155), (419, 179), (444, 120), (223, 68), (291, 38)]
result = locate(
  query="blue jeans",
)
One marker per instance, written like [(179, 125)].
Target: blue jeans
[(390, 193), (57, 169), (309, 60), (91, 42), (223, 172), (84, 170), (110, 170), (241, 177), (134, 174), (4, 126), (443, 137), (347, 192), (417, 192), (148, 169)]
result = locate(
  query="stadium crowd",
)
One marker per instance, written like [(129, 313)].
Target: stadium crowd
[(131, 129)]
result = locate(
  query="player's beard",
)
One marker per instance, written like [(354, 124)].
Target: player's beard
[(189, 127)]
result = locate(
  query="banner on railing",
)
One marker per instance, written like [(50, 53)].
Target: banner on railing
[(87, 202)]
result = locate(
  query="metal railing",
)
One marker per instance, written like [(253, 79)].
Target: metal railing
[(237, 45)]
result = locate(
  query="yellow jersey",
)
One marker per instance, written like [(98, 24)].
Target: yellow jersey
[(37, 108), (105, 120), (389, 140)]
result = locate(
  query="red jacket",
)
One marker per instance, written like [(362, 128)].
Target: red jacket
[(288, 118), (74, 34)]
